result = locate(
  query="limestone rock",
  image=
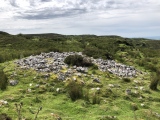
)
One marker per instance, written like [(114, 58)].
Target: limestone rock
[(13, 82)]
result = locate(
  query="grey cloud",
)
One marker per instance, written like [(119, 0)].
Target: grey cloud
[(46, 0), (70, 9), (13, 3), (111, 2), (32, 2), (49, 13)]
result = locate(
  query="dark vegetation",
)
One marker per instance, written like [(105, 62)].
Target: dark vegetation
[(96, 99), (3, 80), (155, 79), (75, 91), (126, 80), (78, 60)]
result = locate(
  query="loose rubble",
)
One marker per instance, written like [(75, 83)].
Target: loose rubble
[(54, 62), (115, 68)]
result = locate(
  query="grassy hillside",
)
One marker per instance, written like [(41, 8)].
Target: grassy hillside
[(107, 100)]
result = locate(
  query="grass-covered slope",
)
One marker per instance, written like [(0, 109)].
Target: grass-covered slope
[(97, 101), (111, 92)]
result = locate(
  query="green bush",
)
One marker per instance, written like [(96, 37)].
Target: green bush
[(126, 80), (155, 78), (94, 52), (86, 95), (74, 60), (96, 99), (78, 60), (75, 91), (154, 83), (3, 80)]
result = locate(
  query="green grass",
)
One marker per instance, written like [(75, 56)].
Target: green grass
[(114, 103)]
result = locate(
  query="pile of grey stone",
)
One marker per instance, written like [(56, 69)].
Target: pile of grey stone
[(54, 62), (115, 68), (46, 62)]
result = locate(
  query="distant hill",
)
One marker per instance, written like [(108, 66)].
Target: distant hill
[(3, 33), (154, 37)]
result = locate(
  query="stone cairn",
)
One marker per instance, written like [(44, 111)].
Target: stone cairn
[(54, 62)]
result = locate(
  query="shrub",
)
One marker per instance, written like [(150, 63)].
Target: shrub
[(78, 60), (155, 78), (75, 90), (126, 80), (154, 83), (86, 95), (3, 80), (74, 60), (93, 52), (96, 99)]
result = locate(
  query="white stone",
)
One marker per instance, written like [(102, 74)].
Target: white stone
[(98, 88), (141, 88), (142, 104), (92, 88), (74, 78), (29, 90), (110, 85), (58, 89), (3, 102)]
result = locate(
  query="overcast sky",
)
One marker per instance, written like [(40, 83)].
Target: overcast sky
[(128, 18)]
